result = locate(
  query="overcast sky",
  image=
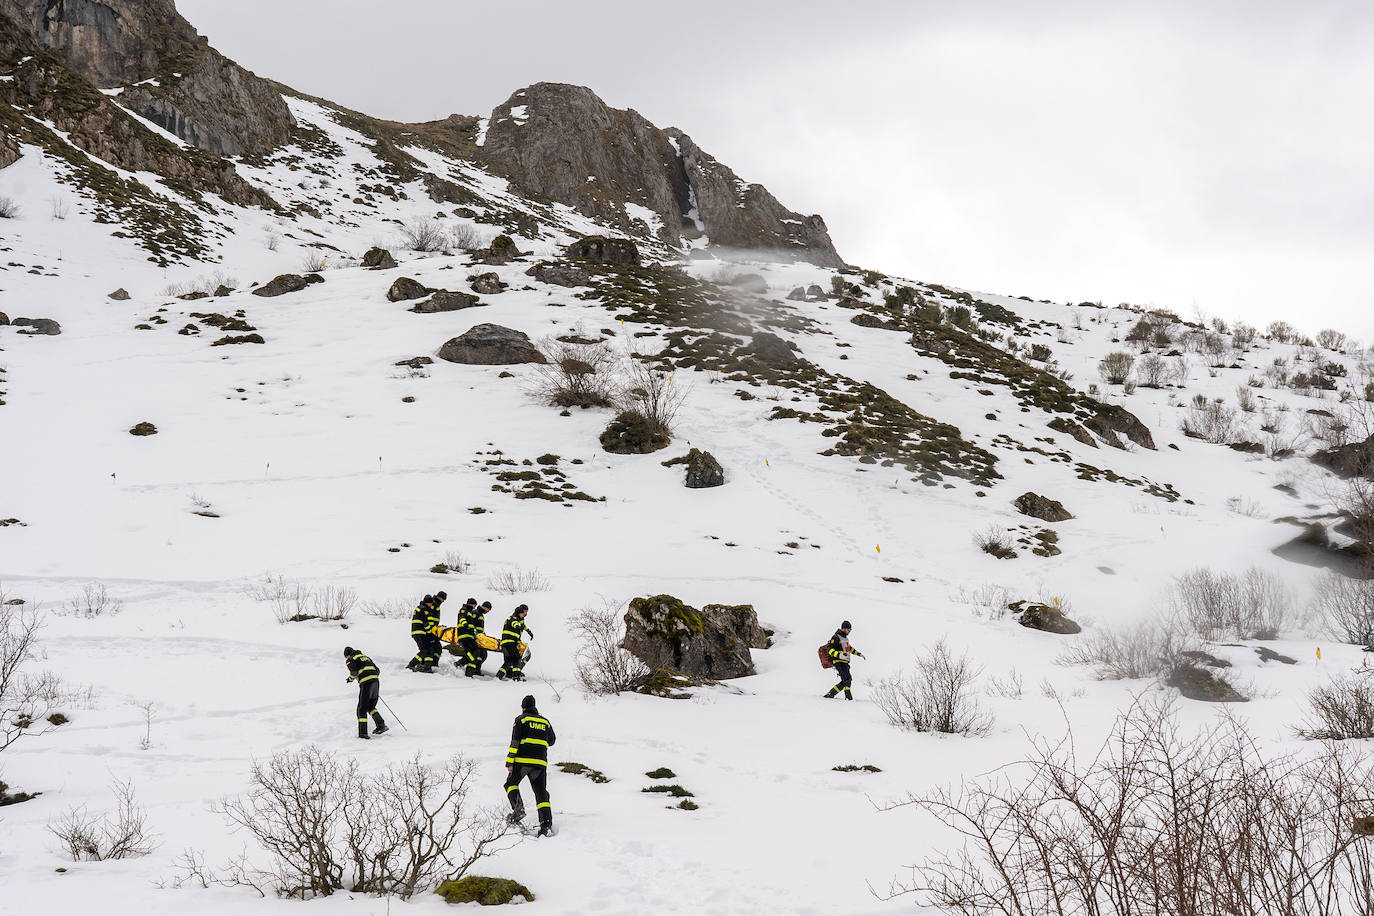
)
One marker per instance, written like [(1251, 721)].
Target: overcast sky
[(1202, 155)]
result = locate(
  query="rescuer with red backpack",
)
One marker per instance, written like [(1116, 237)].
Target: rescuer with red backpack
[(836, 654)]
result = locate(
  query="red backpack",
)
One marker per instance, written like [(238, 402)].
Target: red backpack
[(824, 653)]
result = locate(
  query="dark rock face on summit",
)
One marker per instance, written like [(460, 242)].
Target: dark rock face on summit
[(564, 143), (195, 92)]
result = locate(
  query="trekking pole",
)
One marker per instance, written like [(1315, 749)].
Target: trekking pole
[(393, 714)]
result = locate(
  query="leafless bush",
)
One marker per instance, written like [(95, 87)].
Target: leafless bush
[(9, 208), (468, 238), (1341, 709), (1011, 687), (287, 598), (1243, 336), (988, 599), (332, 602), (424, 235), (1180, 368), (61, 209), (995, 540), (313, 262), (651, 392), (602, 666), (458, 564), (1245, 398), (1331, 339), (1116, 367), (576, 375), (1345, 606), (327, 827), (271, 241), (1150, 648), (937, 696), (93, 601), (26, 698), (389, 609), (119, 834), (1211, 421), (1355, 500), (513, 580), (1152, 370), (1154, 823), (1282, 331), (1252, 605)]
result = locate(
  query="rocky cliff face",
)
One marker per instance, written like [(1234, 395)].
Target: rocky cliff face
[(169, 74), (564, 143)]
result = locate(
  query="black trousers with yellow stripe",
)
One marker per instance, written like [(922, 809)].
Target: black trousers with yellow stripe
[(369, 692), (539, 782)]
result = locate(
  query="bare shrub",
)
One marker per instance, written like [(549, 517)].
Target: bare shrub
[(26, 698), (327, 827), (653, 394), (1345, 606), (1152, 370), (1180, 368), (458, 564), (514, 580), (1211, 421), (313, 262), (332, 602), (118, 834), (1154, 823), (1116, 367), (602, 666), (424, 235), (468, 238), (576, 375), (1150, 648), (271, 240), (1331, 339), (1282, 331), (388, 609), (286, 598), (1245, 398), (1011, 687), (93, 601), (61, 209), (1252, 605), (1243, 336), (1355, 500), (1341, 709), (9, 208), (988, 599), (936, 696), (995, 540)]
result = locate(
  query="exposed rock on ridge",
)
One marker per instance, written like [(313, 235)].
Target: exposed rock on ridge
[(564, 143), (169, 74)]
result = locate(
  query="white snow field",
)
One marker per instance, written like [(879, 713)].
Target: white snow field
[(316, 469)]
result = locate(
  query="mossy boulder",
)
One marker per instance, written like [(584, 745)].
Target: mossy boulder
[(559, 274), (445, 301), (1197, 683), (486, 284), (605, 250), (491, 345), (502, 250), (286, 283), (713, 643), (1044, 617), (484, 890), (143, 429), (1041, 507), (378, 259), (632, 433), (405, 288)]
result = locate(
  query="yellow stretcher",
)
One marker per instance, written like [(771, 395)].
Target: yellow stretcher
[(490, 643)]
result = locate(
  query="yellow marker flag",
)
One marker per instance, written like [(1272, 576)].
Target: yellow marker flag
[(878, 548), (766, 464), (1319, 653)]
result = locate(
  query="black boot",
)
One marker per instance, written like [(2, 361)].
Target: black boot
[(545, 828), (515, 817), (362, 730)]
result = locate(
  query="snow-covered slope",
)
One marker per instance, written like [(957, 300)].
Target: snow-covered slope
[(321, 460)]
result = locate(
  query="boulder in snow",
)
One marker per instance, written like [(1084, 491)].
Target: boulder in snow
[(487, 284), (43, 326), (491, 345), (404, 288), (287, 283), (1044, 617), (604, 250), (378, 259), (1041, 507), (713, 642), (559, 274), (445, 301), (120, 294)]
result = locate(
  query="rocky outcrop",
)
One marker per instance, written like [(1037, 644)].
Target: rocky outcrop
[(445, 301), (38, 326), (563, 143), (703, 470), (378, 259), (1044, 617), (771, 350), (404, 288), (1041, 507), (1197, 683), (1353, 460), (502, 250), (713, 642), (4, 319), (1112, 419), (605, 251), (491, 345), (168, 73), (286, 283), (559, 274), (120, 294)]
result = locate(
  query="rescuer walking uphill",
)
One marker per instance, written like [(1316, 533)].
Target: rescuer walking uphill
[(422, 623), (839, 650), (513, 662), (528, 757), (364, 671)]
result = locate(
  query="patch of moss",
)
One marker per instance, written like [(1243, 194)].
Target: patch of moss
[(675, 790), (483, 890), (856, 768), (661, 773), (687, 805), (581, 769)]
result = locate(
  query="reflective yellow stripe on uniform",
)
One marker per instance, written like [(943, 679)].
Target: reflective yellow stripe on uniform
[(533, 761), (535, 741)]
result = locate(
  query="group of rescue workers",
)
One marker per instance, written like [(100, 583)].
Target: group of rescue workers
[(532, 735)]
